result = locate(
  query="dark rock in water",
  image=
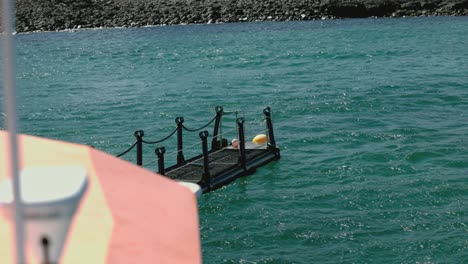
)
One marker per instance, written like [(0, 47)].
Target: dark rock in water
[(344, 9), (456, 5), (382, 9), (35, 15)]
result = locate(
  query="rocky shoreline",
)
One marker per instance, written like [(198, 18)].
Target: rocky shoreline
[(52, 15)]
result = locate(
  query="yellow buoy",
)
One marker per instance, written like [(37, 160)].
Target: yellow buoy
[(260, 139)]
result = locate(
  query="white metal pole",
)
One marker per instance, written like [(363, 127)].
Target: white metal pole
[(8, 24)]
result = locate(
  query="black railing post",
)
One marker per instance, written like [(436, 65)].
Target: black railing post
[(240, 127), (46, 249), (139, 137), (206, 170), (160, 153), (214, 142), (180, 155), (269, 124)]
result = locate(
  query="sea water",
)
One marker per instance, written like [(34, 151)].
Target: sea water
[(371, 116)]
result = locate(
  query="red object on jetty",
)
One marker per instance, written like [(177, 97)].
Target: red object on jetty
[(128, 214)]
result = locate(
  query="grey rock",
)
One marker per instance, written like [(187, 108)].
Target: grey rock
[(67, 14)]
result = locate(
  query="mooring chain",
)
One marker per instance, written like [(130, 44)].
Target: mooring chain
[(125, 152), (175, 130), (161, 140), (198, 129), (146, 142), (198, 143)]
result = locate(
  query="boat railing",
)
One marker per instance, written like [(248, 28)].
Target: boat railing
[(218, 140)]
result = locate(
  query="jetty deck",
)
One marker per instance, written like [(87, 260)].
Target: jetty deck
[(224, 166), (219, 165)]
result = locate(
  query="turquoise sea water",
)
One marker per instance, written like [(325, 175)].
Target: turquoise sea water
[(371, 116)]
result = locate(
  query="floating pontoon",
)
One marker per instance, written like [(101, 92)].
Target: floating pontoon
[(219, 165)]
